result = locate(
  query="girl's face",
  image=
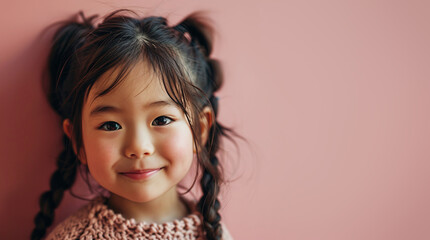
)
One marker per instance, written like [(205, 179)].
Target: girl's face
[(137, 142)]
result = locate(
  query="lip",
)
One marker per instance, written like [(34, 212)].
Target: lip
[(141, 174)]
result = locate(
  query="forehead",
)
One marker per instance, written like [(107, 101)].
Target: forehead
[(134, 81)]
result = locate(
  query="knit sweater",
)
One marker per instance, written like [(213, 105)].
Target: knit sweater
[(96, 221)]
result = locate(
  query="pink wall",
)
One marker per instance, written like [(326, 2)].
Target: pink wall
[(333, 96)]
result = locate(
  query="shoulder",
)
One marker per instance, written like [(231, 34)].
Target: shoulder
[(192, 206), (73, 226), (225, 233)]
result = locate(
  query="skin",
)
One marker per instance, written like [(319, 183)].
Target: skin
[(138, 136)]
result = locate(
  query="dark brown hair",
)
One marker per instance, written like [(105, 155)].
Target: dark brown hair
[(180, 55)]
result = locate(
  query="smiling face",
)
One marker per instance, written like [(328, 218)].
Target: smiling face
[(138, 144)]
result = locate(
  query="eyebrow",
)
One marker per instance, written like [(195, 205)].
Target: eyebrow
[(106, 108)]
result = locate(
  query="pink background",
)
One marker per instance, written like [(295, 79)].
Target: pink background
[(333, 97)]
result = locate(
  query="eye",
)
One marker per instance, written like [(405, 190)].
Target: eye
[(162, 120), (110, 126)]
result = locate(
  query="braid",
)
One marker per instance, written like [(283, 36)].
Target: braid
[(208, 76), (209, 204), (67, 39), (61, 180)]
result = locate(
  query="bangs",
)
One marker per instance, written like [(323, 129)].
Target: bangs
[(165, 63)]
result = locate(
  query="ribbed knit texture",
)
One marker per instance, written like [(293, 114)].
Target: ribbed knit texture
[(97, 221)]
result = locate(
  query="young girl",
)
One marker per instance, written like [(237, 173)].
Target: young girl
[(136, 99)]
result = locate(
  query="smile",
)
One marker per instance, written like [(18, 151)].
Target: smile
[(141, 174)]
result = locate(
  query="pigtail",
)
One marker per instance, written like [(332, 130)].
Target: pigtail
[(67, 39), (61, 180), (208, 74), (209, 203), (212, 178)]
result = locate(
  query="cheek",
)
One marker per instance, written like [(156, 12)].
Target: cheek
[(177, 147), (98, 151)]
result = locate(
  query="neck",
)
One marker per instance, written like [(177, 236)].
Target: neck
[(165, 208)]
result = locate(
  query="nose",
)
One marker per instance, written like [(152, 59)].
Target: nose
[(139, 144)]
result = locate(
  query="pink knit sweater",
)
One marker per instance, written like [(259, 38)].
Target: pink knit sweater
[(96, 221)]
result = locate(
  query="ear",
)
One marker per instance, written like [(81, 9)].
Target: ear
[(206, 120), (67, 128)]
